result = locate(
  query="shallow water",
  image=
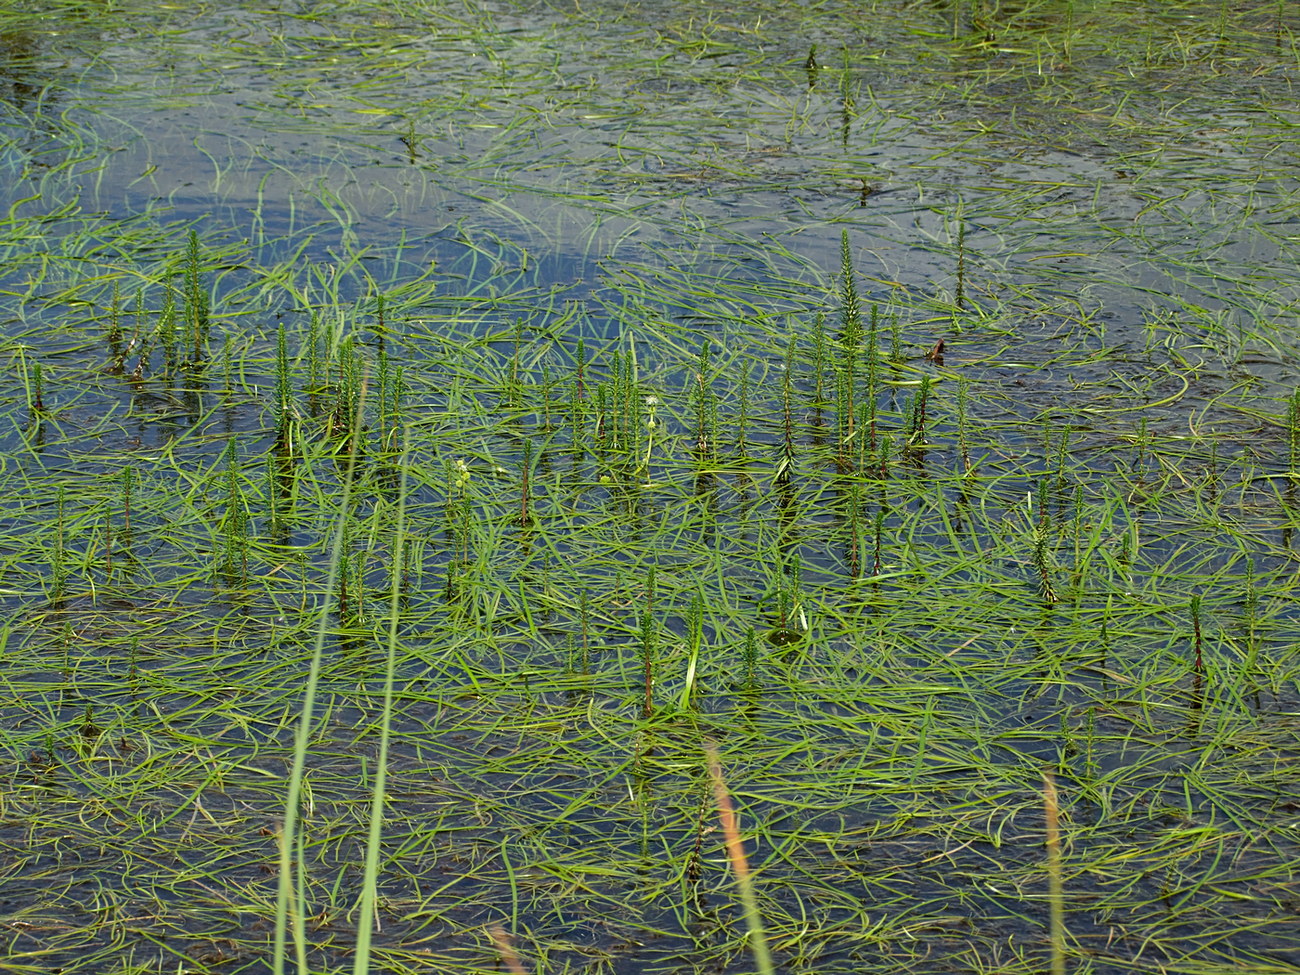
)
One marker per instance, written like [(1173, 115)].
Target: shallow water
[(1112, 188)]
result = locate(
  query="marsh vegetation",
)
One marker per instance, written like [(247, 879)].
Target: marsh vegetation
[(432, 428)]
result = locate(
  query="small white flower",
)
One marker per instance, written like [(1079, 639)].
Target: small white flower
[(652, 401)]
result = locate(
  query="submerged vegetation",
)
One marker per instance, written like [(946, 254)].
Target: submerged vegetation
[(585, 488)]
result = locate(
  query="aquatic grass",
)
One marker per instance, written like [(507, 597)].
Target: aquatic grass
[(889, 763)]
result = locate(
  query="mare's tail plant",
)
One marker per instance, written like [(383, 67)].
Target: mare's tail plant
[(749, 660), (850, 347), (1042, 563), (128, 489), (917, 418), (197, 305), (648, 648), (1198, 663), (705, 411), (284, 437), (234, 563), (59, 570), (168, 336), (787, 414), (116, 353)]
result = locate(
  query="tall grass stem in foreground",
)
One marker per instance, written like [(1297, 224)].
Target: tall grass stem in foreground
[(739, 864), (1055, 888), (290, 842), (367, 916)]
